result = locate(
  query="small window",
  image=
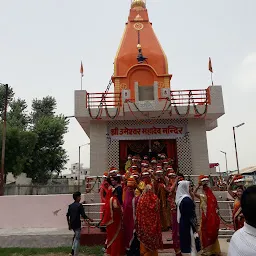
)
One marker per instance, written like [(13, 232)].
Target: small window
[(146, 92)]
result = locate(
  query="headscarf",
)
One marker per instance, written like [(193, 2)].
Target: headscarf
[(210, 219), (182, 192)]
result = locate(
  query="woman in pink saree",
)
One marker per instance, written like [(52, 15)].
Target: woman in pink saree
[(131, 242)]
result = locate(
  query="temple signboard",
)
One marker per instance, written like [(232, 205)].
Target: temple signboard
[(145, 132)]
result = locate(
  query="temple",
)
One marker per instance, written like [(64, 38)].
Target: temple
[(144, 114)]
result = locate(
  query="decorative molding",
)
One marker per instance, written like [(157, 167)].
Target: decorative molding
[(167, 82), (138, 26), (138, 18), (123, 86), (117, 85), (161, 85)]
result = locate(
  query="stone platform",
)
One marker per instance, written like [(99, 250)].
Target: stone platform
[(52, 238)]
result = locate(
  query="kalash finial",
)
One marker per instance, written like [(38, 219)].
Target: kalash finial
[(138, 3)]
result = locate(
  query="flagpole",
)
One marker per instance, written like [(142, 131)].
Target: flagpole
[(210, 68), (82, 74)]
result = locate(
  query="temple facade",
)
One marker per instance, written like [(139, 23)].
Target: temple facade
[(144, 114)]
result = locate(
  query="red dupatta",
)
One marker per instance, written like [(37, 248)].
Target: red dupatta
[(210, 220), (103, 190), (148, 224), (107, 209)]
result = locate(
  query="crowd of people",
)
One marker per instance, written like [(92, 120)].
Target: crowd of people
[(151, 198)]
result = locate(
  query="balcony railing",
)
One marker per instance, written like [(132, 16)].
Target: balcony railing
[(190, 97), (178, 98), (109, 99)]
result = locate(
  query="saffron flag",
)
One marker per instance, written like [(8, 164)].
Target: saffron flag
[(82, 69), (210, 65)]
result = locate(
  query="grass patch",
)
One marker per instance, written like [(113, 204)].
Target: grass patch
[(86, 251)]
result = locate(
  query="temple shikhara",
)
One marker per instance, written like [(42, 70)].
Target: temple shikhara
[(144, 114)]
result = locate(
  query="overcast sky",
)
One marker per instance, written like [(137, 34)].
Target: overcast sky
[(43, 41)]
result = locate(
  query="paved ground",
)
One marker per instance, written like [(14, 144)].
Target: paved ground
[(50, 238), (35, 238)]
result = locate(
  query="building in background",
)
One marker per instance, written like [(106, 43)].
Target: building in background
[(21, 179), (74, 172)]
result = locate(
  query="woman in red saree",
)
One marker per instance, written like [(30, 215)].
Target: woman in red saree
[(113, 221), (148, 225), (238, 217), (103, 192), (171, 189), (210, 220)]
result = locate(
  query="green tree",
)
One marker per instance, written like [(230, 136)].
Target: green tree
[(17, 116), (20, 142), (34, 142), (42, 108), (19, 148), (49, 155)]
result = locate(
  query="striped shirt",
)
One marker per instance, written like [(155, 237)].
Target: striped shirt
[(243, 242)]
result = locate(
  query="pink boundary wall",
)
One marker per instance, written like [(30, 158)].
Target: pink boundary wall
[(44, 211)]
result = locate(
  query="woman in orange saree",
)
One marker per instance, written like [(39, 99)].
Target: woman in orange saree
[(160, 190), (210, 220), (113, 221), (238, 217), (148, 226)]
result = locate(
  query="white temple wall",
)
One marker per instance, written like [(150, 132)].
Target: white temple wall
[(199, 148), (98, 148)]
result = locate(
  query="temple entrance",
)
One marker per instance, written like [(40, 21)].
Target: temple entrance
[(150, 148)]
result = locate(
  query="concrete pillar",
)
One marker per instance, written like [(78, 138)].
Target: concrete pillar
[(155, 90), (136, 91)]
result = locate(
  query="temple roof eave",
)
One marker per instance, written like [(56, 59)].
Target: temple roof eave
[(141, 65)]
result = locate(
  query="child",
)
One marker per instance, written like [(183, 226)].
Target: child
[(75, 211)]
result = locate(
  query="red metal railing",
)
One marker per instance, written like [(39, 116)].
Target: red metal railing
[(179, 98), (190, 97), (109, 99)]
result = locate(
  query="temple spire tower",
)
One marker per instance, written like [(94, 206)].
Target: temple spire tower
[(144, 114), (140, 60)]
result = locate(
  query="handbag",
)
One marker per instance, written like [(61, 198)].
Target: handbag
[(193, 223), (197, 242)]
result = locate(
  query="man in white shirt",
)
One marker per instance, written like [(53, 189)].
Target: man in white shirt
[(243, 242)]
